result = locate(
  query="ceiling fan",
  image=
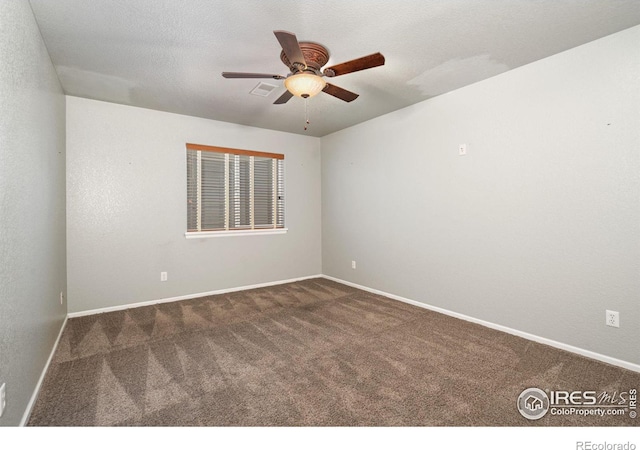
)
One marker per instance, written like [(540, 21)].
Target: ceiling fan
[(305, 61)]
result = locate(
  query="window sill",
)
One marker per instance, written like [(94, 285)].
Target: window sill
[(211, 234)]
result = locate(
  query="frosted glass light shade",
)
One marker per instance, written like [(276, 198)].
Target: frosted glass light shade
[(304, 84)]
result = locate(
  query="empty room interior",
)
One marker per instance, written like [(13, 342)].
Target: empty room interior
[(447, 234)]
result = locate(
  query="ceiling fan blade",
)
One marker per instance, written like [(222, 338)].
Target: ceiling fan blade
[(340, 93), (366, 62), (251, 75), (290, 46), (284, 98)]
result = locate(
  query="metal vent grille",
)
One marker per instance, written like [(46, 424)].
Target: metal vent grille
[(263, 89)]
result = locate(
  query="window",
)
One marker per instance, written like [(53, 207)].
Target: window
[(231, 191)]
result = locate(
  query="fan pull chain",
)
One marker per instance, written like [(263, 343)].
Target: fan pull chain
[(306, 113)]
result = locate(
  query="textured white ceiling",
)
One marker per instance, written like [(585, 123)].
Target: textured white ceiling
[(168, 54)]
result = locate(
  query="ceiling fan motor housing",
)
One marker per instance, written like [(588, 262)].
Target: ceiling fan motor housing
[(315, 56)]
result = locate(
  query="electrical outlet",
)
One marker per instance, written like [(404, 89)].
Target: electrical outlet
[(462, 149), (353, 264), (163, 276), (3, 398), (612, 318), (61, 297)]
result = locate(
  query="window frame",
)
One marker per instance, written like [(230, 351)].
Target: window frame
[(252, 228)]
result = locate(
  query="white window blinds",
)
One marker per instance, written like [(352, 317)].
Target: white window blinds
[(232, 189)]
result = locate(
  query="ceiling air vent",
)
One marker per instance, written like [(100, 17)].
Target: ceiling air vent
[(263, 89)]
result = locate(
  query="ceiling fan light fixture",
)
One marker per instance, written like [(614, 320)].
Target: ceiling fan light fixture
[(305, 85)]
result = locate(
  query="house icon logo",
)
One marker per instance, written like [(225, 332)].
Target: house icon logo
[(533, 403)]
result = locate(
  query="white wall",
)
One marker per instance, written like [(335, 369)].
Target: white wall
[(537, 228), (126, 208), (32, 207)]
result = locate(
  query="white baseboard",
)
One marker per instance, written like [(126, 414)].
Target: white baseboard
[(522, 334), (36, 391), (532, 337), (187, 297)]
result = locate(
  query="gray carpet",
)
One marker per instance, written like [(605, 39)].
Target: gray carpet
[(311, 353)]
